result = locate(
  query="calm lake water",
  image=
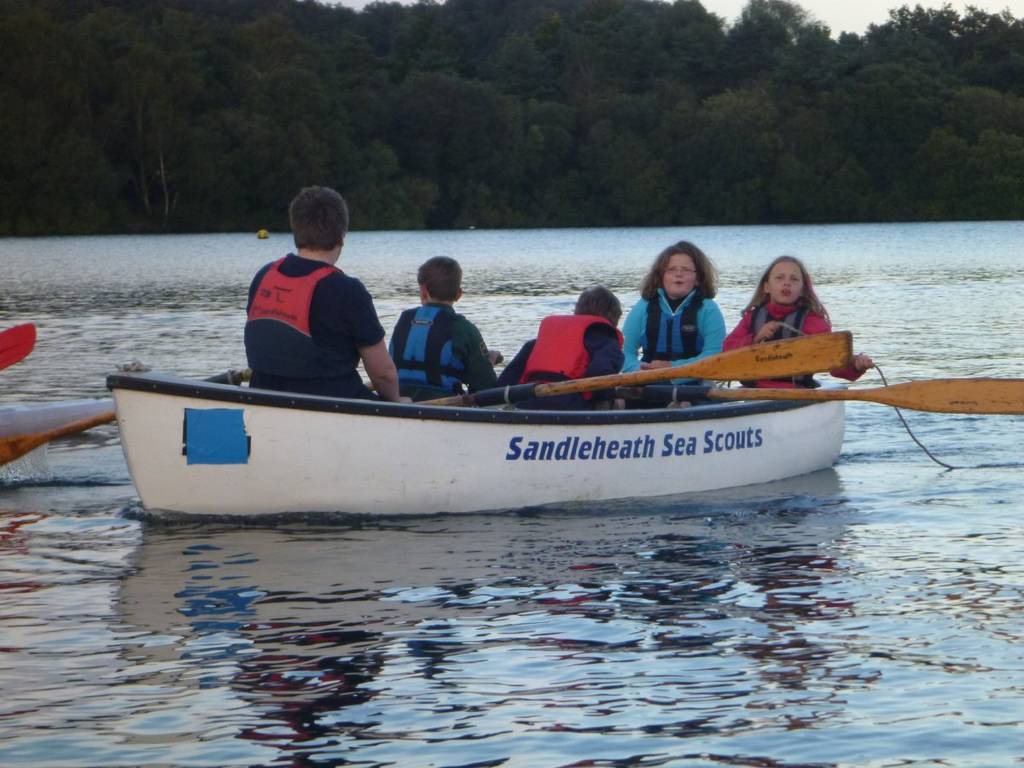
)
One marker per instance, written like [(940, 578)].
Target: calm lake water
[(868, 615)]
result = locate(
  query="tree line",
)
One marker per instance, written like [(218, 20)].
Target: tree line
[(192, 115)]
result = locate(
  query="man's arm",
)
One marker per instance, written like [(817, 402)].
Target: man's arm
[(381, 370), (514, 370)]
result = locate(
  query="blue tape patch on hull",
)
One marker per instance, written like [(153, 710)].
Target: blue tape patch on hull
[(215, 436)]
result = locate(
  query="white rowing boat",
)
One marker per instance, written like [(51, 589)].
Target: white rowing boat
[(210, 449)]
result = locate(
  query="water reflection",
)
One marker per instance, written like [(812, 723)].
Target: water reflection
[(461, 630)]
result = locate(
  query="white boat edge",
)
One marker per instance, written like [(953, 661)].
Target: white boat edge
[(250, 452)]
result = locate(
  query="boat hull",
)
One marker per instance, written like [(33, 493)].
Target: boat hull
[(207, 449)]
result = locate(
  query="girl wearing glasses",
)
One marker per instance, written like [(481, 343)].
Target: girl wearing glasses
[(677, 320)]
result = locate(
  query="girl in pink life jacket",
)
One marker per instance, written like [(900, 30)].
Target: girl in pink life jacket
[(785, 305)]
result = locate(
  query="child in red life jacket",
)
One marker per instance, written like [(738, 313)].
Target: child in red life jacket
[(584, 344), (783, 306)]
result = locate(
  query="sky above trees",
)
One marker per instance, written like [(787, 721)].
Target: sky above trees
[(840, 15), (848, 16)]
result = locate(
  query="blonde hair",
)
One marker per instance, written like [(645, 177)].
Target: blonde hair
[(707, 275), (808, 298)]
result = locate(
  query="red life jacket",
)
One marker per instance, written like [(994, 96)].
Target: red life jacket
[(278, 339), (286, 299), (559, 352)]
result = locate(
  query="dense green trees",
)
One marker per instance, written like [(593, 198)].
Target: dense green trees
[(190, 115)]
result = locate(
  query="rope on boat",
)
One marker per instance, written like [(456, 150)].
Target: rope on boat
[(909, 432), (898, 412)]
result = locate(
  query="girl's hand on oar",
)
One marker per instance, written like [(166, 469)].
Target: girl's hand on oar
[(862, 363)]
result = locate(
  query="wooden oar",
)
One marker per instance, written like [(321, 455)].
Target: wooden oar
[(777, 359), (16, 343), (12, 448), (1005, 396)]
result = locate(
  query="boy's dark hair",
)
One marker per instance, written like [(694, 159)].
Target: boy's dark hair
[(598, 300), (442, 277), (319, 218)]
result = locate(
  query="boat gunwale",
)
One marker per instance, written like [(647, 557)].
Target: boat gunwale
[(181, 387)]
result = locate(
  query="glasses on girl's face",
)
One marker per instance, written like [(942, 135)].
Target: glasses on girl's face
[(681, 271)]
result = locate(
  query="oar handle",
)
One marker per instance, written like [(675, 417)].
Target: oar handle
[(514, 393)]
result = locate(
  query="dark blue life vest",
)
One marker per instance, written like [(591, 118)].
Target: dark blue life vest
[(278, 339), (672, 337), (793, 325), (422, 349)]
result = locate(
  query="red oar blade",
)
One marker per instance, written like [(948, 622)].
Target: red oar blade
[(16, 343)]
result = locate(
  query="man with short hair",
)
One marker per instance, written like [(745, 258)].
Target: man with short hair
[(308, 323)]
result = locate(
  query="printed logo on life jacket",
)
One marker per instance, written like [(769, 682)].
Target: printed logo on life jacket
[(287, 299), (278, 295)]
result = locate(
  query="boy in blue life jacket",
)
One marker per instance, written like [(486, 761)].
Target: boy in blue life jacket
[(437, 351), (584, 344)]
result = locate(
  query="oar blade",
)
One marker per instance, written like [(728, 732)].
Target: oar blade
[(16, 343), (777, 359), (980, 396), (12, 448)]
